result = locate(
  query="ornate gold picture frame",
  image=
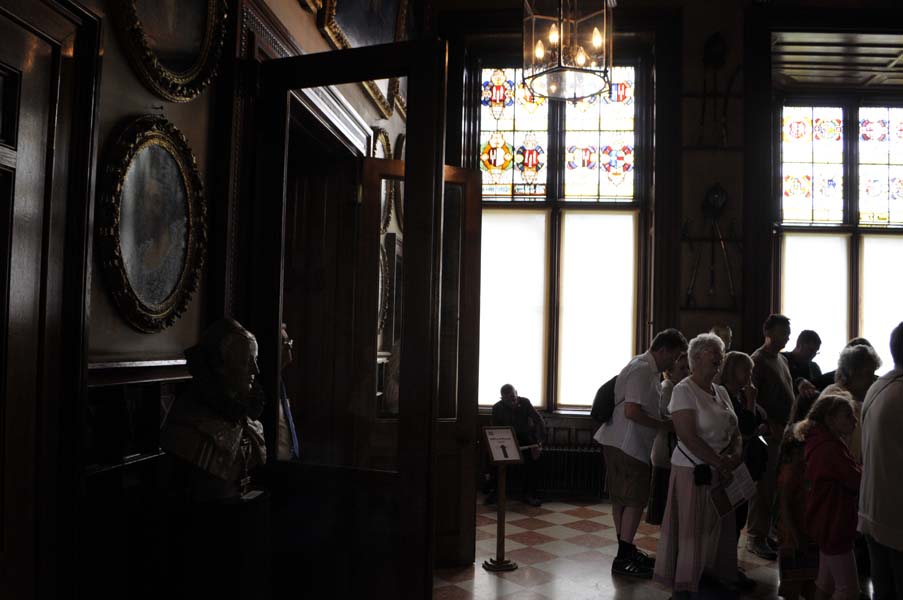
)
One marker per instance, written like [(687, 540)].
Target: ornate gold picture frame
[(151, 235), (173, 45), (356, 23)]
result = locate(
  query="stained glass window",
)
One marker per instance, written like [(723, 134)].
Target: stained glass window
[(599, 148), (513, 138), (880, 166), (812, 164)]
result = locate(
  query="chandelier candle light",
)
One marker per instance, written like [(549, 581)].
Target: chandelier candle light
[(568, 47)]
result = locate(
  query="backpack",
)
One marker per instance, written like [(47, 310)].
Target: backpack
[(604, 402)]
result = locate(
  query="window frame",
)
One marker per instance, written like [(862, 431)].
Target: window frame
[(638, 56), (850, 102)]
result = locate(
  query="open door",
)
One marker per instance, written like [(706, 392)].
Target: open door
[(365, 507)]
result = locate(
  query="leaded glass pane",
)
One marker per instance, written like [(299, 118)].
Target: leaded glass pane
[(873, 204), (513, 138), (497, 164), (874, 141), (880, 165), (530, 167), (599, 150), (797, 192), (616, 160), (812, 164), (530, 113), (581, 161), (618, 107)]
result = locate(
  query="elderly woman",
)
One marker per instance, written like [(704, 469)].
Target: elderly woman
[(855, 374), (694, 538)]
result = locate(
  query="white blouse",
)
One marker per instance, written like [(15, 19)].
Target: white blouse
[(716, 422)]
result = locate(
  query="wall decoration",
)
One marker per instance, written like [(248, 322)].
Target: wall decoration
[(398, 195), (382, 148), (356, 23), (174, 45), (151, 224)]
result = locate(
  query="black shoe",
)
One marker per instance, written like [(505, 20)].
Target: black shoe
[(643, 559), (630, 568)]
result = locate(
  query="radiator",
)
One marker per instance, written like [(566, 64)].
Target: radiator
[(572, 471)]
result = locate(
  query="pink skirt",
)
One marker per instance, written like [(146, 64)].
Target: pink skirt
[(694, 539)]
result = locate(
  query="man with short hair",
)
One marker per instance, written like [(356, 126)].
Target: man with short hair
[(880, 494), (805, 373), (771, 376), (627, 445), (528, 424)]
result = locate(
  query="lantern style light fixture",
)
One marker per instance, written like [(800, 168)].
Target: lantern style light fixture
[(568, 47)]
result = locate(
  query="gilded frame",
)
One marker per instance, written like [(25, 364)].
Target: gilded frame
[(166, 83), (385, 102), (382, 148), (150, 131)]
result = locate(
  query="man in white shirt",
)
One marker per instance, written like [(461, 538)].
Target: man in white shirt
[(627, 444), (880, 493)]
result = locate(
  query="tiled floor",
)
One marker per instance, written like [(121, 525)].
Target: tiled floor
[(564, 550)]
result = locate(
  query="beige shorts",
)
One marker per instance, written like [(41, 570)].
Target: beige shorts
[(627, 479)]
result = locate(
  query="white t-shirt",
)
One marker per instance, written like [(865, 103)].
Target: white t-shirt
[(716, 422), (880, 493), (639, 383)]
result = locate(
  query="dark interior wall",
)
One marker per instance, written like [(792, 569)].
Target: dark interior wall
[(123, 97)]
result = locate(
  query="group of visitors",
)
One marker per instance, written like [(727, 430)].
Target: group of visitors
[(822, 450)]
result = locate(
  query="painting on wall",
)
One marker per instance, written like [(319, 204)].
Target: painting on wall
[(356, 23), (151, 224), (173, 45)]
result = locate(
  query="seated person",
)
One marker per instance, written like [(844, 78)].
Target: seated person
[(519, 413)]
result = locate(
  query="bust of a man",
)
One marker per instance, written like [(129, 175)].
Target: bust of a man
[(213, 426)]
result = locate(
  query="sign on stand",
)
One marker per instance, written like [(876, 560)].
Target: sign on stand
[(501, 442)]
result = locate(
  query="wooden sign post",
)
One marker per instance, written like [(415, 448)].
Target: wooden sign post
[(503, 450)]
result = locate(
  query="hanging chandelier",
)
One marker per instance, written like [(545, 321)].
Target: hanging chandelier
[(568, 47)]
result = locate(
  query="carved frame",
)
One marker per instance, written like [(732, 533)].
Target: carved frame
[(382, 148), (169, 85), (326, 21), (137, 135)]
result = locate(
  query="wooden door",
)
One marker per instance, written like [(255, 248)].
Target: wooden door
[(459, 329), (368, 506), (46, 115)]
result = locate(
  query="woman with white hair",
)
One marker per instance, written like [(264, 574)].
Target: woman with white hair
[(854, 376), (694, 538)]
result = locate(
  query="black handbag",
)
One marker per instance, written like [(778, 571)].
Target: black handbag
[(702, 472)]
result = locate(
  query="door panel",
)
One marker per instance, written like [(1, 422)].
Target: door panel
[(458, 369), (385, 485), (26, 62)]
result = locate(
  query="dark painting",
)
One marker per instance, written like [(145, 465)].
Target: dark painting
[(153, 224), (174, 30), (367, 22)]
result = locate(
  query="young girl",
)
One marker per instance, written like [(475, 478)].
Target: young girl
[(831, 507), (791, 517), (664, 445)]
